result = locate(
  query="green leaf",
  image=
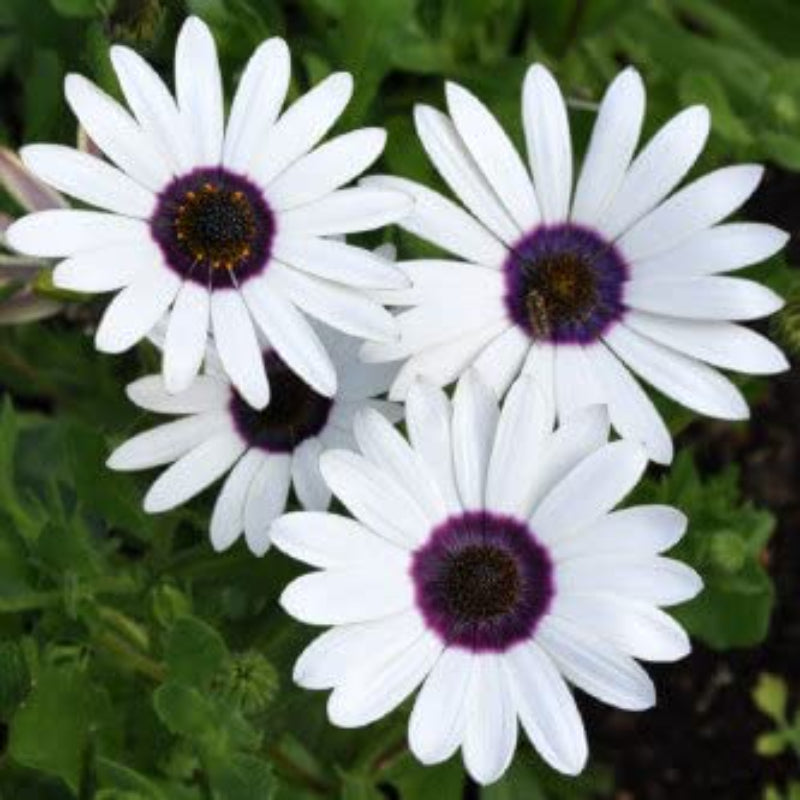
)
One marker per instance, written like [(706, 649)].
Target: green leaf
[(243, 777), (185, 711), (15, 678), (771, 695), (771, 744), (194, 652), (81, 9), (124, 779), (359, 787)]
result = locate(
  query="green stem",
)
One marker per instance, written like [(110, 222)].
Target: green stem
[(132, 659), (297, 773)]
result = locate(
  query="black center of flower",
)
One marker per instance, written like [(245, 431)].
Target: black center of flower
[(214, 227), (482, 581), (564, 284), (295, 411)]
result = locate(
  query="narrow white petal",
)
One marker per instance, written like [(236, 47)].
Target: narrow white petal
[(187, 336), (501, 361), (205, 394), (495, 155), (720, 344), (375, 498), (136, 309), (475, 415), (168, 442), (544, 115), (614, 139), (227, 519), (590, 490), (258, 100), (540, 364), (266, 500), (694, 208), (89, 179), (686, 380), (575, 381), (441, 222), (454, 163), (236, 342), (290, 333), (309, 485), (116, 133), (547, 709), (66, 232), (301, 126), (198, 88), (657, 170), (596, 666), (108, 268), (194, 472)]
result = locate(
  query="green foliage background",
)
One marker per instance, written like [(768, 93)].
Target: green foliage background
[(135, 664)]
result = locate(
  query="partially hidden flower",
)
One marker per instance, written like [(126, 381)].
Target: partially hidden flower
[(224, 224), (582, 286), (486, 564), (264, 453)]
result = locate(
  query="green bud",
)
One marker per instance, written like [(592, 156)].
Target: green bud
[(250, 682), (728, 551)]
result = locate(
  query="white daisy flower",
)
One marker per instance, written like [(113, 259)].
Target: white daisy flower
[(225, 225), (580, 286), (263, 452), (486, 563)]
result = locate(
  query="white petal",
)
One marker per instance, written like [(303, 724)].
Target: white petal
[(108, 268), (590, 490), (346, 211), (490, 735), (187, 336), (168, 442), (614, 139), (266, 500), (194, 472), (636, 531), (227, 520), (367, 694), (262, 90), (116, 133), (329, 167), (494, 154), (342, 308), (526, 421), (687, 381), (720, 249), (339, 651), (136, 309), (198, 88), (657, 170), (205, 394), (441, 222), (547, 709), (475, 415), (549, 143), (301, 126), (374, 498), (540, 364), (153, 107), (238, 347), (454, 163), (636, 628), (289, 332), (596, 666), (309, 485), (501, 361), (66, 232), (576, 384), (383, 445), (338, 262), (352, 594), (720, 344), (89, 179), (698, 206), (659, 581), (631, 410)]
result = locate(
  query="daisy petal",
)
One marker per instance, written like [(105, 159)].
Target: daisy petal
[(108, 268), (187, 336), (238, 347), (194, 472), (501, 361), (576, 383), (89, 179), (227, 519), (309, 485), (266, 500), (614, 139), (205, 394), (686, 380), (549, 145), (595, 666)]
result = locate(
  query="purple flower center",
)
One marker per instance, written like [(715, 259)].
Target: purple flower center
[(295, 411), (564, 284), (482, 581), (214, 227)]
